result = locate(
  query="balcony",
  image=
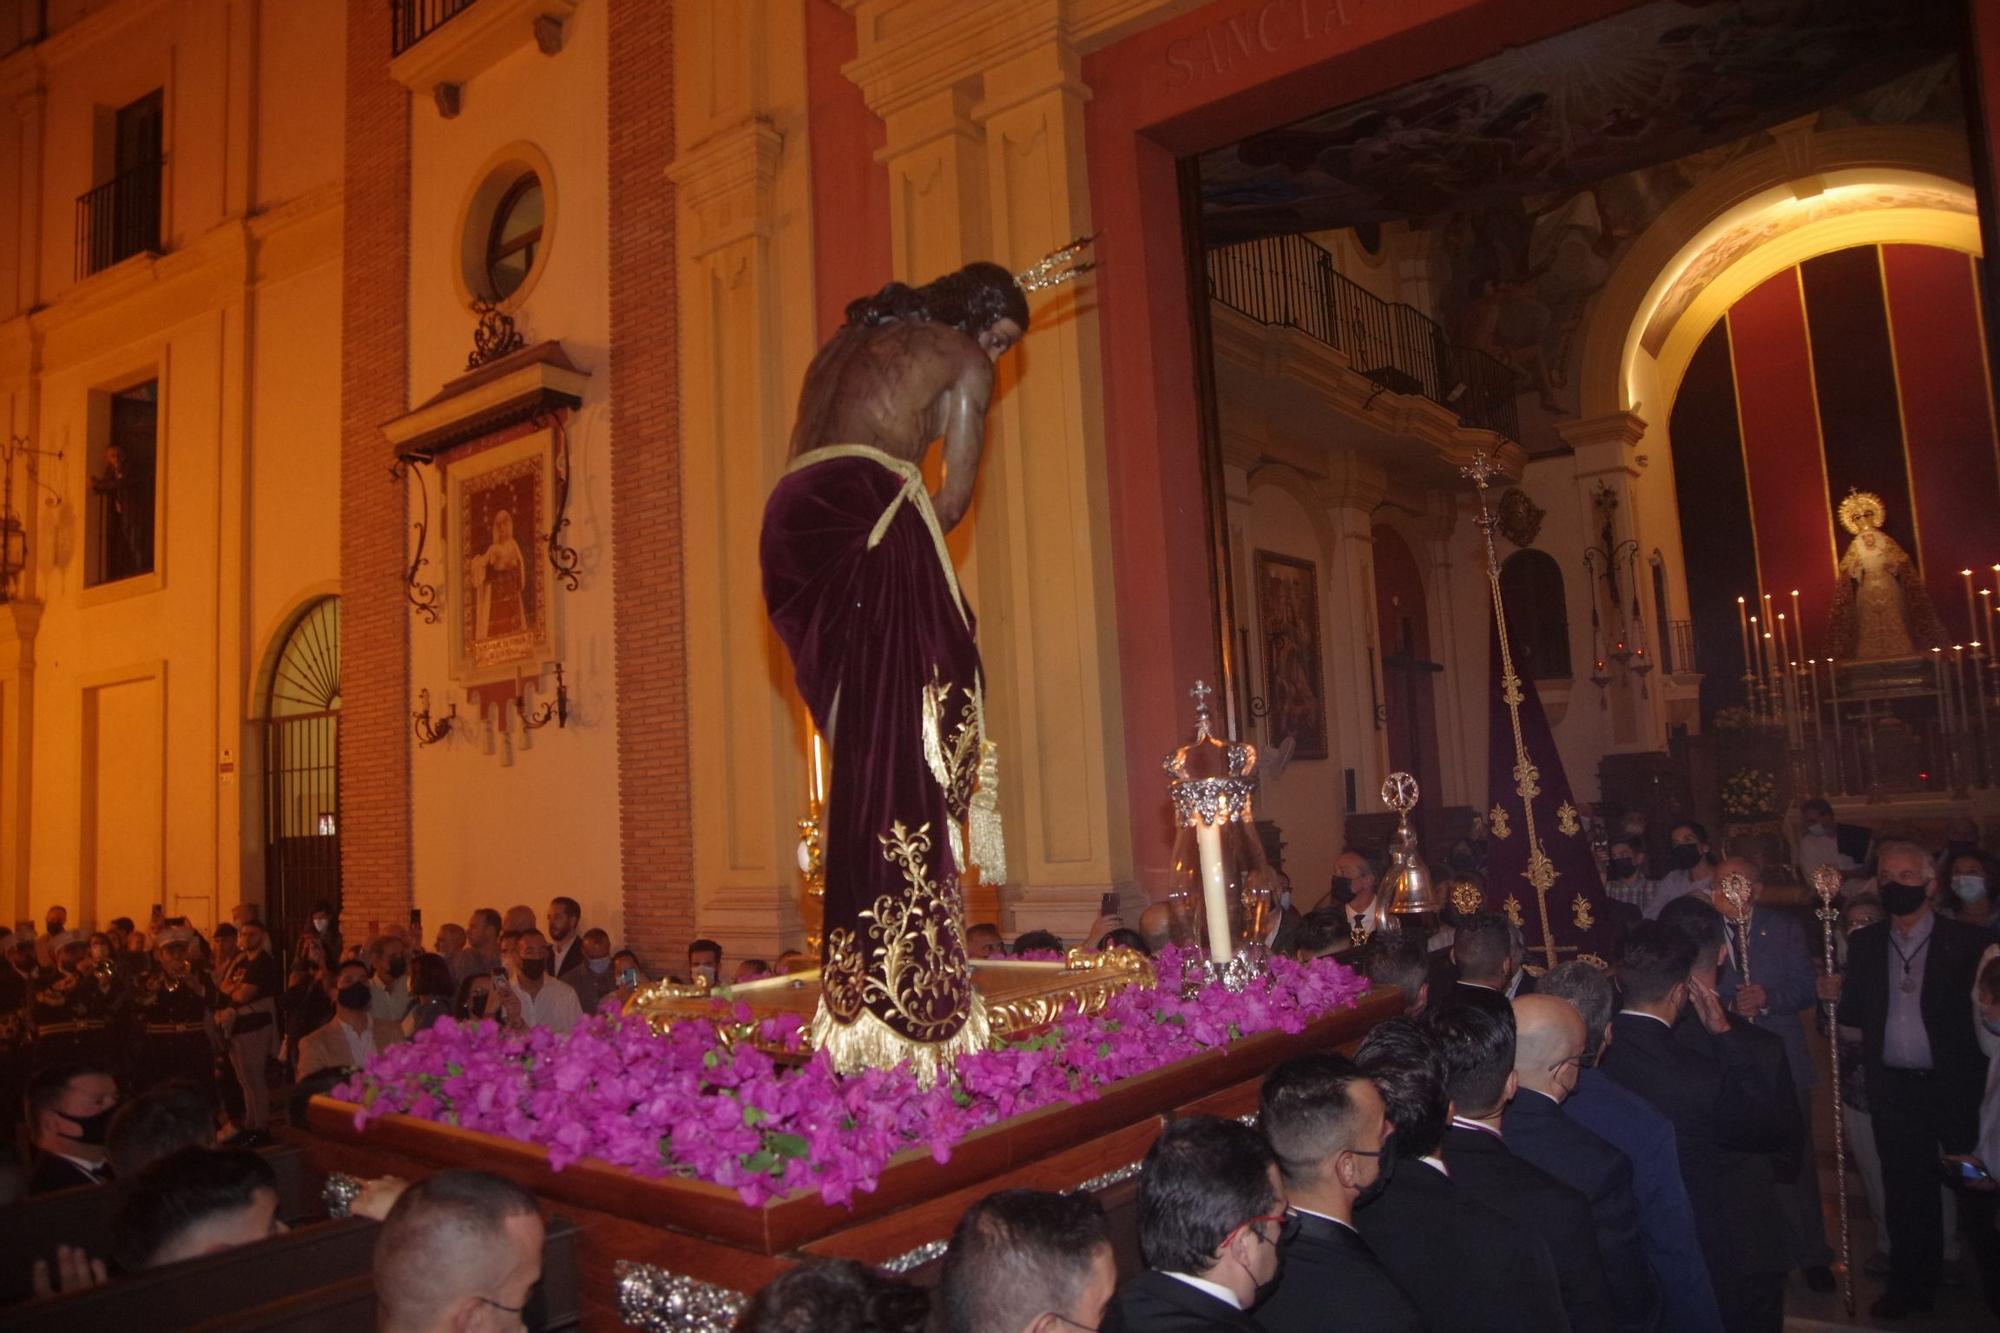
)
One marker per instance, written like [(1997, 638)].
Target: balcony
[(118, 219), (413, 20), (1290, 282)]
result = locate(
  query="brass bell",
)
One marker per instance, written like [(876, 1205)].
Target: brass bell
[(1407, 889)]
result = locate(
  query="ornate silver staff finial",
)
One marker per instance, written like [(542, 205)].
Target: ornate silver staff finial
[(1480, 472)]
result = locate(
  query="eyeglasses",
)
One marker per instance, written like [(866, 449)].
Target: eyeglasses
[(1087, 1328), (1288, 1227), (516, 1310), (1576, 1060)]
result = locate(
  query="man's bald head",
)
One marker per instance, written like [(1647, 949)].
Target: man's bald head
[(1156, 924), (456, 1242), (1549, 1041)]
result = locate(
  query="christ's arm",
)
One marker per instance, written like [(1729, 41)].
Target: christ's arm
[(964, 405)]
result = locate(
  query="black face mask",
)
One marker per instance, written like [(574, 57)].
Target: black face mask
[(1621, 867), (1343, 889), (92, 1129), (477, 1006), (1903, 899), (532, 968), (1684, 856), (354, 995), (398, 966), (1385, 1164)]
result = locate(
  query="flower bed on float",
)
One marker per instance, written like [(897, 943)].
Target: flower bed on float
[(690, 1104)]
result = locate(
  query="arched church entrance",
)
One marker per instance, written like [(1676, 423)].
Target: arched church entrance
[(302, 772)]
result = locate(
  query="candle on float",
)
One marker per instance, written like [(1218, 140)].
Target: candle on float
[(1784, 645), (1743, 624), (1756, 650), (1971, 624), (818, 789), (1798, 625), (1986, 604), (1214, 889), (1960, 717), (1943, 686)]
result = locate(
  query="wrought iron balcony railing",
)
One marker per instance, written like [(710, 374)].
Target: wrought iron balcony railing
[(413, 20), (1291, 282), (1680, 659), (118, 219)]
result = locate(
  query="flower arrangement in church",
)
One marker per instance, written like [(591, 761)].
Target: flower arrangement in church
[(1750, 793), (689, 1104)]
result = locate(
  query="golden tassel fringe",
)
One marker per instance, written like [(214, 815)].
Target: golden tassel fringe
[(870, 1043), (988, 850)]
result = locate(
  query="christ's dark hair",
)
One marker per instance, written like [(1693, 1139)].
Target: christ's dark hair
[(1204, 1177), (1652, 959), (1017, 1254), (1477, 1042), (971, 300)]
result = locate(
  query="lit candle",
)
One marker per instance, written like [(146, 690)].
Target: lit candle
[(1798, 625), (1986, 601), (1743, 624), (1971, 625), (1757, 655), (1784, 646), (1214, 888), (818, 791)]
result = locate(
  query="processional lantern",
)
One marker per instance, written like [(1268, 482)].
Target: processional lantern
[(1221, 898)]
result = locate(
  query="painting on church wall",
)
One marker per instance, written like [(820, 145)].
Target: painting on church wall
[(1288, 629), (498, 507)]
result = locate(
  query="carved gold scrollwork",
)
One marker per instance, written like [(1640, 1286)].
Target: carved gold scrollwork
[(1567, 821), (1496, 821), (1580, 913)]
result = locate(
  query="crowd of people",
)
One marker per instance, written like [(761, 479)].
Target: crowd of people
[(1592, 1148)]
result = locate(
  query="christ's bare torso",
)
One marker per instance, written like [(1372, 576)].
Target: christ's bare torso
[(897, 387)]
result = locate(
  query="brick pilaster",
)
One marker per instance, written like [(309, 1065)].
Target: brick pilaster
[(649, 612), (374, 386)]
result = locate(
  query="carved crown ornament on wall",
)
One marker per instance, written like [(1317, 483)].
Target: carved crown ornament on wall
[(1519, 518)]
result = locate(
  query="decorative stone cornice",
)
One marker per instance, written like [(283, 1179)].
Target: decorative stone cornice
[(474, 40), (725, 185), (1604, 444), (528, 384), (922, 53)]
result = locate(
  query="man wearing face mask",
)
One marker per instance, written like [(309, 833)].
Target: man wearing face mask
[(173, 1007), (1549, 1048), (1819, 839), (705, 961), (1971, 899), (1625, 873), (1689, 870), (69, 1110), (546, 1001), (1211, 1219), (390, 958), (348, 1042), (1905, 988), (595, 979), (326, 929), (1329, 1129), (74, 1007), (1352, 893)]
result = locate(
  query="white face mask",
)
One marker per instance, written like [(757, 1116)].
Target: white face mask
[(1969, 888), (319, 924), (706, 970), (598, 964)]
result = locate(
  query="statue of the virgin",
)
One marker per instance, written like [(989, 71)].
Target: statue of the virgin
[(1880, 608)]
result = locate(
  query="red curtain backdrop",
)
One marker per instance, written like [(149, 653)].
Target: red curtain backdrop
[(1947, 420), (1864, 367), (1781, 448)]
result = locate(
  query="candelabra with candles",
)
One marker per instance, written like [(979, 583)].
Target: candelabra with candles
[(1222, 896)]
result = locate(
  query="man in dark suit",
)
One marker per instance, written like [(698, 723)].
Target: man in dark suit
[(1749, 1181), (1352, 892), (1328, 1127), (565, 940), (1488, 961), (1211, 1216), (1549, 1044), (1396, 961), (1478, 1046), (1783, 984), (69, 1113), (1906, 989), (1717, 1099), (1465, 1265), (1629, 1123), (1027, 1261)]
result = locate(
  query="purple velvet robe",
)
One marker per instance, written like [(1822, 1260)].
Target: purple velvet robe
[(860, 588)]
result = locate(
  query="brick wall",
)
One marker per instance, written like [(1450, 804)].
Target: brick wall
[(374, 378), (656, 840)]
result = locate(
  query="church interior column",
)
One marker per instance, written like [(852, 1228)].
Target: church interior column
[(1351, 491), (742, 212), (991, 165)]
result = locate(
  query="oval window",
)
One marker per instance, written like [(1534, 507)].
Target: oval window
[(515, 236)]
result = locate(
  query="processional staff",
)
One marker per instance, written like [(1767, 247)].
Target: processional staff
[(1826, 883), (1736, 888)]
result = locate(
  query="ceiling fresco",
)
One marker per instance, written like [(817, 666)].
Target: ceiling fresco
[(1660, 82)]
